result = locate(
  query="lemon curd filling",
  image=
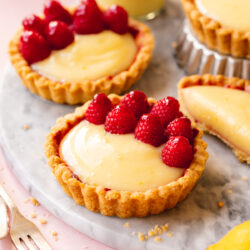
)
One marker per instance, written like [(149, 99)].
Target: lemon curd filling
[(135, 8), (117, 162), (224, 111), (90, 57), (231, 13)]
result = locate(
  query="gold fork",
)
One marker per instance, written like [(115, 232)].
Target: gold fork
[(23, 231)]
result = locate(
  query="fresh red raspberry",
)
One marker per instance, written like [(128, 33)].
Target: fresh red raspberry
[(53, 10), (166, 109), (149, 130), (120, 120), (137, 102), (88, 18), (180, 126), (177, 152), (34, 23), (179, 114), (59, 35), (133, 31), (33, 46), (116, 19), (98, 109)]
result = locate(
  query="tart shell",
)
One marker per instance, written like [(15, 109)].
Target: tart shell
[(115, 202), (221, 81), (215, 35), (74, 93)]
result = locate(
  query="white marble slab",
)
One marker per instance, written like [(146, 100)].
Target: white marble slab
[(195, 223)]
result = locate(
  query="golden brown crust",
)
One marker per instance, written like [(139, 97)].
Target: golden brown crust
[(215, 35), (114, 202), (73, 93), (212, 80)]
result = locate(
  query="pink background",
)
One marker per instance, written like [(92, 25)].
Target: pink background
[(11, 15)]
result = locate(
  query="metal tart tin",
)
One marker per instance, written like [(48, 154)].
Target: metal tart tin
[(195, 58)]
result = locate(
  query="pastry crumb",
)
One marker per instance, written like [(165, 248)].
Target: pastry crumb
[(164, 227), (157, 239), (141, 236), (54, 233), (155, 232), (33, 215), (43, 221), (170, 235), (85, 247), (244, 178), (151, 233), (34, 201), (220, 204), (26, 126), (126, 225), (174, 45), (229, 191)]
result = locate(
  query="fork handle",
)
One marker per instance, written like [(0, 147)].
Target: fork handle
[(7, 199)]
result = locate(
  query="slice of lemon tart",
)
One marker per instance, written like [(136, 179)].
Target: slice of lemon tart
[(221, 106)]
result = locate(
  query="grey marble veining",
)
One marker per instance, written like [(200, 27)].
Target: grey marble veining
[(195, 223)]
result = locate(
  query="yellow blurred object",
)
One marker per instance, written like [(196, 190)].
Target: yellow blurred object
[(143, 9), (237, 239)]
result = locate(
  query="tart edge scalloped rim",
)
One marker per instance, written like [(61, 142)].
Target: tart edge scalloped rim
[(75, 93), (211, 32), (218, 80), (114, 202)]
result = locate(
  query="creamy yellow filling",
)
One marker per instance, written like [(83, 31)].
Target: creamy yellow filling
[(222, 110), (117, 162), (135, 8), (237, 239), (231, 13), (90, 57)]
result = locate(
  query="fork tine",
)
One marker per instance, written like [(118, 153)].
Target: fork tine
[(17, 242), (40, 241), (28, 243)]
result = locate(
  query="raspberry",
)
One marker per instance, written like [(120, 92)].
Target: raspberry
[(53, 10), (59, 35), (116, 18), (88, 18), (133, 31), (33, 46), (98, 109), (166, 109), (180, 126), (177, 152), (34, 23), (137, 102), (120, 120), (149, 130), (179, 114)]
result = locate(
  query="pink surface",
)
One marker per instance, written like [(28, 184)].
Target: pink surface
[(12, 12)]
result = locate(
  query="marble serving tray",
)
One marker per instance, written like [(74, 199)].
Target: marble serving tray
[(195, 223)]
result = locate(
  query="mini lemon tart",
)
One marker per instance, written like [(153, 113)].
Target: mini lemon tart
[(220, 106), (237, 239), (69, 59), (106, 167), (222, 25)]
